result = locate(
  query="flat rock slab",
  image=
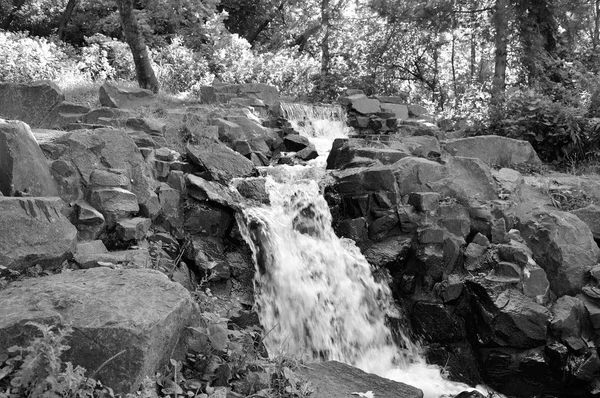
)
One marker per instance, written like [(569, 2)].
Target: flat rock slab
[(139, 311), (34, 231), (221, 163), (494, 149), (117, 97), (31, 103), (337, 380)]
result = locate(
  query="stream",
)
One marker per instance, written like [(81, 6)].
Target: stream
[(316, 295)]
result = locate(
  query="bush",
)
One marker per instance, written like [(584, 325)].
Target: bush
[(180, 69), (25, 58), (106, 59), (559, 133)]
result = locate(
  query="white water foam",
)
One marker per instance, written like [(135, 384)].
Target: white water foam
[(316, 295)]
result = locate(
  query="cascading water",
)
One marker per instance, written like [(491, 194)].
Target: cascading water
[(315, 293)]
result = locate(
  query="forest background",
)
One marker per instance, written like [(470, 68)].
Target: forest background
[(523, 69)]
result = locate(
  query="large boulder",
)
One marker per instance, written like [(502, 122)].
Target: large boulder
[(138, 312), (23, 167), (219, 162), (417, 174), (31, 103), (347, 153), (337, 380), (563, 246), (34, 231), (494, 149), (117, 97), (78, 155)]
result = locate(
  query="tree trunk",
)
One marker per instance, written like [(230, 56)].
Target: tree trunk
[(65, 18), (596, 35), (17, 5), (325, 50), (500, 21), (143, 67), (252, 38)]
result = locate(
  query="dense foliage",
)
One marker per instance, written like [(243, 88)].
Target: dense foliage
[(526, 69)]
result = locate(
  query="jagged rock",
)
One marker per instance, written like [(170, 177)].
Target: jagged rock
[(106, 178), (535, 284), (89, 222), (133, 229), (499, 231), (205, 220), (418, 145), (399, 111), (505, 271), (253, 188), (591, 216), (203, 190), (171, 204), (31, 103), (494, 149), (569, 317), (209, 255), (23, 167), (355, 229), (176, 180), (467, 179), (264, 92), (84, 151), (113, 311), (455, 218), (116, 97), (135, 258), (88, 250), (295, 142), (563, 246), (437, 323), (34, 231), (106, 116), (510, 183), (417, 174), (473, 256), (114, 203), (383, 226), (65, 114), (417, 110), (389, 253), (337, 380), (219, 162), (424, 201), (308, 153), (346, 152), (429, 235), (153, 127), (359, 180), (362, 104)]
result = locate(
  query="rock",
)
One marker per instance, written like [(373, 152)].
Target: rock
[(87, 250), (569, 317), (308, 153), (337, 380), (359, 180), (295, 142), (23, 167), (437, 323), (31, 103), (203, 190), (355, 229), (535, 284), (466, 179), (133, 229), (345, 153), (253, 188), (106, 178), (131, 98), (209, 256), (106, 116), (591, 216), (455, 218), (85, 151), (205, 220), (417, 174), (137, 311), (135, 258), (474, 256), (399, 111), (114, 203), (362, 104), (424, 201), (520, 321), (422, 146), (563, 246), (494, 149), (34, 231), (417, 110), (390, 253), (89, 222), (153, 127), (219, 162), (510, 183)]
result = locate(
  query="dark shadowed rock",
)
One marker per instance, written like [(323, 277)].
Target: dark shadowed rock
[(337, 380), (437, 323), (34, 231), (417, 174), (563, 246), (137, 311), (221, 163), (23, 167), (31, 103), (114, 203), (115, 97)]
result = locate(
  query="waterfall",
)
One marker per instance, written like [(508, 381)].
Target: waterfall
[(316, 295)]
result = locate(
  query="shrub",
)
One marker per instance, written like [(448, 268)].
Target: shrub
[(25, 58), (105, 58), (559, 133), (180, 69)]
